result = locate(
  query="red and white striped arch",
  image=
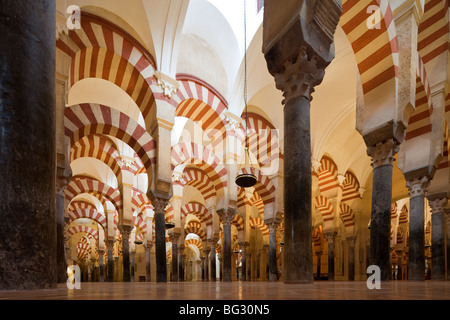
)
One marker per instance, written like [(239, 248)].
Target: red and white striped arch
[(140, 224), (139, 201), (264, 187), (419, 122), (203, 158), (93, 214), (347, 215), (89, 118), (195, 227), (81, 204), (328, 172), (82, 229), (325, 207), (194, 242), (259, 224), (78, 186), (198, 210), (263, 139), (101, 49), (196, 178), (257, 201), (238, 222), (433, 30), (200, 102), (350, 187), (375, 49), (98, 147)]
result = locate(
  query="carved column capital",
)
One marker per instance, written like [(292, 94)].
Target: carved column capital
[(125, 231), (383, 152), (110, 243), (438, 205), (299, 77), (226, 215), (417, 186), (159, 202), (330, 236)]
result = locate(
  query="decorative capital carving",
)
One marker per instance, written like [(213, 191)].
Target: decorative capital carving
[(125, 231), (330, 236), (438, 205), (418, 186), (159, 202), (299, 77), (383, 152), (168, 85), (226, 215)]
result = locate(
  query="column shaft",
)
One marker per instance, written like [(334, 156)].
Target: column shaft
[(380, 226), (27, 145), (416, 262), (160, 246), (227, 252), (298, 265), (273, 271), (213, 261)]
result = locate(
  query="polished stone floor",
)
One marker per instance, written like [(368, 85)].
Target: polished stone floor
[(319, 290)]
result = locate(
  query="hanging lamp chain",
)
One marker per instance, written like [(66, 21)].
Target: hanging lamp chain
[(245, 78)]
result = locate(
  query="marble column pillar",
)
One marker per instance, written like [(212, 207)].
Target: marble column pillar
[(297, 82), (244, 246), (101, 267), (175, 237), (226, 216), (206, 264), (399, 264), (181, 262), (297, 51), (60, 251), (148, 248), (416, 261), (319, 263), (160, 203), (125, 231), (110, 265), (212, 256), (382, 155), (351, 258), (133, 254), (273, 271), (330, 236), (437, 237), (27, 145)]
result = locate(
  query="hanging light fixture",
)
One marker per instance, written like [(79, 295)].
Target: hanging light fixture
[(246, 179)]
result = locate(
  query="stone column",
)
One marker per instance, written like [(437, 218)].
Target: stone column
[(226, 215), (437, 205), (330, 236), (244, 246), (148, 248), (399, 264), (125, 231), (382, 155), (416, 261), (160, 203), (351, 257), (206, 263), (297, 83), (273, 271), (27, 145), (319, 262), (101, 267), (297, 47), (181, 262), (175, 237), (60, 252), (132, 266), (110, 266), (212, 244)]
